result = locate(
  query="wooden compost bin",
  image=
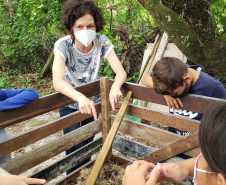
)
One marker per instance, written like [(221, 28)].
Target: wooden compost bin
[(171, 144)]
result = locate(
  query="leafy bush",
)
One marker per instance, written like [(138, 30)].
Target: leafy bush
[(30, 33)]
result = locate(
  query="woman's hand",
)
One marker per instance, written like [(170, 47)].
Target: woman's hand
[(7, 179), (115, 95), (136, 172), (86, 106), (174, 103)]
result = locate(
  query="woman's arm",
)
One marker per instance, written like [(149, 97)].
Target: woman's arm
[(86, 106), (115, 92)]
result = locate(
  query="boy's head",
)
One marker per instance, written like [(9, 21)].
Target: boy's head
[(169, 77), (212, 137)]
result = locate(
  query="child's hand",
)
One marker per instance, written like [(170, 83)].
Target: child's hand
[(7, 179), (171, 170), (136, 172), (174, 103)]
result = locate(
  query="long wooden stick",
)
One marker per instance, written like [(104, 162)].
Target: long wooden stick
[(177, 147), (108, 142)]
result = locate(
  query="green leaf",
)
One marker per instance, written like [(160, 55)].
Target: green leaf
[(8, 52)]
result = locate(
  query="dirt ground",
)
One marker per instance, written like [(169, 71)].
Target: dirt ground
[(29, 125)]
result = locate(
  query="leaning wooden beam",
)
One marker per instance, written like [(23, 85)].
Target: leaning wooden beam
[(69, 161), (43, 131), (177, 147), (163, 118), (148, 94), (108, 142), (28, 160), (148, 133), (43, 105), (105, 110)]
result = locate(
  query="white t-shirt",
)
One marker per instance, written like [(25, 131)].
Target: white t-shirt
[(82, 68)]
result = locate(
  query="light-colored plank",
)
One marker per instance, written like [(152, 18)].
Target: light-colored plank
[(108, 142)]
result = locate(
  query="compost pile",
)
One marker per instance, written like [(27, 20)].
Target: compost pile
[(111, 173)]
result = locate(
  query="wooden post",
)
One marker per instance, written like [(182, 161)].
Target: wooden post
[(108, 142), (105, 110)]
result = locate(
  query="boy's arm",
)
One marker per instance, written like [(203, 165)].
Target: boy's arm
[(17, 98), (175, 103), (147, 81)]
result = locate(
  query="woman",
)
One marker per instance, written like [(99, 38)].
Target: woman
[(77, 60)]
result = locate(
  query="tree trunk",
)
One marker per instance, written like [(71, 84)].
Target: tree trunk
[(192, 29), (9, 8)]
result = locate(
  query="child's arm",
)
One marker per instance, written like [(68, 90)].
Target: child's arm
[(7, 179), (179, 170)]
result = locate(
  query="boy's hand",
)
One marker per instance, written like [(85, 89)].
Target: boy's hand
[(174, 103), (136, 172)]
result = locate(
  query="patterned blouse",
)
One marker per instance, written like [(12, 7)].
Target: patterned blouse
[(82, 68)]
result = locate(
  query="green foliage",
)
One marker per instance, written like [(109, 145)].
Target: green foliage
[(218, 12), (129, 27), (30, 33)]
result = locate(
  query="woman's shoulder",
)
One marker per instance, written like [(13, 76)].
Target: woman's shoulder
[(64, 41), (102, 39)]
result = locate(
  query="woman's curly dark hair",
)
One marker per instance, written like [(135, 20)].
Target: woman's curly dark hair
[(74, 9)]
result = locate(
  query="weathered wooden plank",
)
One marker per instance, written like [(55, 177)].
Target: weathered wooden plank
[(135, 149), (195, 103), (148, 133), (69, 161), (108, 142), (164, 118), (43, 105), (182, 145), (28, 160), (105, 110), (43, 131)]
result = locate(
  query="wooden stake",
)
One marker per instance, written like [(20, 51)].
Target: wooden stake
[(108, 142), (182, 145)]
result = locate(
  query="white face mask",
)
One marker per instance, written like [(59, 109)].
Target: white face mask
[(85, 36)]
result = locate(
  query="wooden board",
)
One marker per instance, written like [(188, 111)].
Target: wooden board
[(69, 161), (108, 142), (182, 145), (28, 160), (193, 103), (163, 118), (43, 131), (43, 105)]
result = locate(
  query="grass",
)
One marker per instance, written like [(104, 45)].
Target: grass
[(11, 79)]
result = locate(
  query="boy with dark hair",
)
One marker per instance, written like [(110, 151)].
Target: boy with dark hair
[(173, 79)]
